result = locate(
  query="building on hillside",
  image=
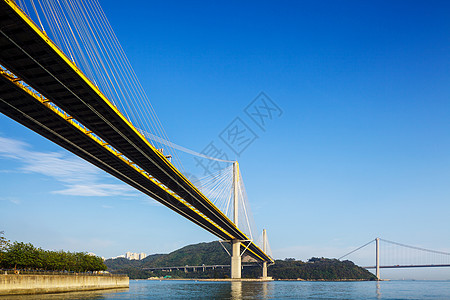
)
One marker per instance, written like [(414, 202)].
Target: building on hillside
[(135, 256), (93, 254), (120, 256)]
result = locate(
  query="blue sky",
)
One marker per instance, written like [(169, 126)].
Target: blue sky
[(360, 150)]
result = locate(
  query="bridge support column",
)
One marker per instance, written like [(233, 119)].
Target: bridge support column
[(235, 244), (264, 267), (377, 259), (236, 265)]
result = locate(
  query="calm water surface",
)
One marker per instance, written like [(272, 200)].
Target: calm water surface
[(143, 289)]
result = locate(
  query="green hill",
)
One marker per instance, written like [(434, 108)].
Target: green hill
[(192, 255), (317, 269), (213, 254)]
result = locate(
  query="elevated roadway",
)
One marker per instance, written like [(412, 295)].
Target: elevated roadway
[(63, 105)]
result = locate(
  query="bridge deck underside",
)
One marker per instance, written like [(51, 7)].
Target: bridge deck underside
[(29, 54), (23, 108)]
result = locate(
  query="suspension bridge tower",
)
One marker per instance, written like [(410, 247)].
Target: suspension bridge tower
[(377, 258), (235, 243), (264, 267)]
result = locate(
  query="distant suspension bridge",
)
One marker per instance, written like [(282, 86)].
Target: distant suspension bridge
[(391, 255)]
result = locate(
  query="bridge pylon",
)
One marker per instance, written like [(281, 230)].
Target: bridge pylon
[(377, 258), (264, 266), (236, 262)]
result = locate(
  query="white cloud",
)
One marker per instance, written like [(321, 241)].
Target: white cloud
[(9, 171), (79, 177), (9, 147), (151, 202), (10, 199), (100, 190)]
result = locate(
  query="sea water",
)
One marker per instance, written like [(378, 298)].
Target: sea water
[(174, 289)]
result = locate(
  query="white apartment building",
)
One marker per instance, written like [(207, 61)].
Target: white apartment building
[(135, 256)]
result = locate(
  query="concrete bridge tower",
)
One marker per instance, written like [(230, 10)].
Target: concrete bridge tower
[(264, 267), (235, 244)]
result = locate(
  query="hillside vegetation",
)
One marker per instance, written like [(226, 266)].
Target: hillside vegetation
[(318, 269), (192, 255)]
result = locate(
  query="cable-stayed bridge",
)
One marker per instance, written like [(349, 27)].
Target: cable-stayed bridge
[(394, 255), (87, 100)]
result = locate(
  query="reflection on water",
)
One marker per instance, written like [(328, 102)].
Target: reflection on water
[(249, 290), (236, 290), (378, 290), (173, 289), (265, 289)]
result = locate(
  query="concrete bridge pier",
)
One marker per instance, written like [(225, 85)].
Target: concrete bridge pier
[(264, 270), (264, 267), (236, 263), (235, 244)]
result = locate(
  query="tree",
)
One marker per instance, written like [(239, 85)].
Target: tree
[(26, 256), (20, 255), (4, 244), (289, 259)]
